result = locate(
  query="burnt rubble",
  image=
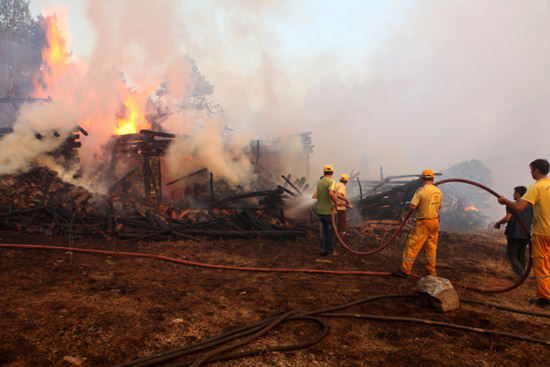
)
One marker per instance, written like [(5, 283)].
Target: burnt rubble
[(39, 201), (139, 205)]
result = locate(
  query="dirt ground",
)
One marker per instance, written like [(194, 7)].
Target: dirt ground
[(65, 308)]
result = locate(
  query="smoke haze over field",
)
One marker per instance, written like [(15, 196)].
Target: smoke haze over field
[(406, 85)]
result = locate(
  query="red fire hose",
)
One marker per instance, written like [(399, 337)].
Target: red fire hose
[(186, 262), (525, 230), (314, 271)]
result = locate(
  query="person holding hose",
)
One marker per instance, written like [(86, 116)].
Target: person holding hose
[(539, 196), (427, 201), (343, 202), (326, 199)]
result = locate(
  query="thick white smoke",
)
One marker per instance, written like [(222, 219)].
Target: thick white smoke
[(441, 81), (424, 84), (138, 46), (224, 158), (40, 129)]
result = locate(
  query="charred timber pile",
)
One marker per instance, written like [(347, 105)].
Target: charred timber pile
[(391, 204), (38, 201), (68, 149)]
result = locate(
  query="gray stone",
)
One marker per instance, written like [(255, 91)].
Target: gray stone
[(440, 291)]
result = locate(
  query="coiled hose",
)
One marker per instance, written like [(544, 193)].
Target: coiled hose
[(216, 346)]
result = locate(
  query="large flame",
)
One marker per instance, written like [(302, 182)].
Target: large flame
[(55, 60), (132, 118), (58, 80)]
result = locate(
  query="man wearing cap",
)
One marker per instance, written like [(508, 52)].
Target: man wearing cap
[(427, 201), (343, 202), (516, 238), (538, 195), (326, 199)]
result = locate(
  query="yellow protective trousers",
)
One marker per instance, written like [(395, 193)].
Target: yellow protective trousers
[(424, 234), (541, 264)]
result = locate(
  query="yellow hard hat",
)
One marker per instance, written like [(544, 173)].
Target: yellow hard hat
[(328, 168), (427, 173), (344, 177)]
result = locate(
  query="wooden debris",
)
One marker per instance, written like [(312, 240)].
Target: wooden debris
[(38, 201)]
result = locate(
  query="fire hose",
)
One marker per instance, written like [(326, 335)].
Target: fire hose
[(215, 347), (282, 270), (315, 271), (216, 351), (384, 245), (262, 328)]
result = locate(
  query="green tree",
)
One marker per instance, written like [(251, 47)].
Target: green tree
[(20, 47)]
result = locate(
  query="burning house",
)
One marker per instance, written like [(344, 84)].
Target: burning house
[(93, 152)]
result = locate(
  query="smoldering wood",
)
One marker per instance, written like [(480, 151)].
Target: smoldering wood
[(203, 170), (159, 181), (276, 192), (26, 211), (121, 180), (291, 184), (151, 182), (33, 217), (265, 171), (389, 204), (247, 212), (178, 227), (211, 186), (286, 190), (79, 128), (158, 134)]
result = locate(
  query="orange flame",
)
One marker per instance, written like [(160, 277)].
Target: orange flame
[(55, 58), (471, 208), (59, 78), (132, 119)]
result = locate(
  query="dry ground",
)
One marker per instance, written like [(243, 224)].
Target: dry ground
[(66, 308)]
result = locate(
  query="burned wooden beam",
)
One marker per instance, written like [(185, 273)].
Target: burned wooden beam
[(30, 210), (79, 128), (388, 204), (247, 195), (211, 186), (121, 180), (286, 190), (187, 176), (291, 184), (178, 228), (157, 133)]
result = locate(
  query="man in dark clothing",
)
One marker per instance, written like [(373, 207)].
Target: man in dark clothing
[(515, 235)]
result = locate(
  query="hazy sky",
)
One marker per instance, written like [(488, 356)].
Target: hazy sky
[(404, 85)]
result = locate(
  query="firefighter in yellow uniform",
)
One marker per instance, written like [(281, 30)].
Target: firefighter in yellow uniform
[(343, 202), (539, 196), (427, 201)]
